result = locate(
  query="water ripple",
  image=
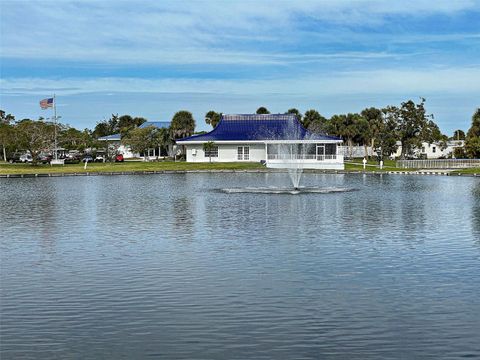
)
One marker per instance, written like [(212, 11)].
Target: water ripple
[(169, 267)]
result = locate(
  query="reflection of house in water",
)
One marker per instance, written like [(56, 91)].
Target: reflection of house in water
[(476, 211)]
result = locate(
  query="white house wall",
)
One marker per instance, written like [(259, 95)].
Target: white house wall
[(226, 153), (126, 152), (122, 149)]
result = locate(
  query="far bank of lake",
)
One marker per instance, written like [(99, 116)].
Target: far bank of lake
[(140, 167)]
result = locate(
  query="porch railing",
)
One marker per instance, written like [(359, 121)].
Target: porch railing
[(303, 157)]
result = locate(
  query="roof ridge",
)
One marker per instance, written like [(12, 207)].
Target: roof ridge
[(231, 117)]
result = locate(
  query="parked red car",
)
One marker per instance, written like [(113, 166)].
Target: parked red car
[(119, 158)]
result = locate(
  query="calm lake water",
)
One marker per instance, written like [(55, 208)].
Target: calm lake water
[(168, 266)]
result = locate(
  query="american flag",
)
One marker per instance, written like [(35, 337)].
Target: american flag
[(46, 103)]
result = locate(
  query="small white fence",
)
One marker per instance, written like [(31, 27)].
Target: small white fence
[(438, 164)]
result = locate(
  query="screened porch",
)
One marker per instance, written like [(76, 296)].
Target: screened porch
[(307, 155), (318, 152)]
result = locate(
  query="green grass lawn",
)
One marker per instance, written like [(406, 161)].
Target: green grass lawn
[(6, 168), (353, 166), (372, 165)]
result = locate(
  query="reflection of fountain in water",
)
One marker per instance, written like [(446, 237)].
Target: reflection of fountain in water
[(280, 190)]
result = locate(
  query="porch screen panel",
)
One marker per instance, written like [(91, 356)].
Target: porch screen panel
[(273, 149), (330, 149), (310, 149)]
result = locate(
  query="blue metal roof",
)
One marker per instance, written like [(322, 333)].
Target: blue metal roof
[(255, 127), (158, 124), (113, 137)]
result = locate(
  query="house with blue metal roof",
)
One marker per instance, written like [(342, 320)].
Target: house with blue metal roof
[(278, 140), (115, 141)]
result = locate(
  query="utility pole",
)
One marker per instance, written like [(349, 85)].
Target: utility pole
[(55, 120)]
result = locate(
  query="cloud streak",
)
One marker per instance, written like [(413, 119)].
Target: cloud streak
[(199, 32), (386, 81)]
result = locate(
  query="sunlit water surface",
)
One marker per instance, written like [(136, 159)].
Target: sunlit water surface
[(170, 266)]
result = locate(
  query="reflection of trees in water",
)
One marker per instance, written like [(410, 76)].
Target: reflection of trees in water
[(183, 217), (43, 212), (368, 213), (476, 211), (412, 207)]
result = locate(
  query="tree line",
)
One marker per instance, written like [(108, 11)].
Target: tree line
[(37, 136), (377, 128), (380, 129)]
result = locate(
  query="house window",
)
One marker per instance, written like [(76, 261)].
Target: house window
[(213, 152), (243, 153), (151, 152), (423, 149), (434, 149)]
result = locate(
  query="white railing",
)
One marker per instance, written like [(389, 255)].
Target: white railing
[(438, 164), (303, 157)]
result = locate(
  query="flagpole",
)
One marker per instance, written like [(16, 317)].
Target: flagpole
[(55, 123)]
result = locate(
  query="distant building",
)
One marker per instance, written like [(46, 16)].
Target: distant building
[(279, 140), (432, 151), (125, 150)]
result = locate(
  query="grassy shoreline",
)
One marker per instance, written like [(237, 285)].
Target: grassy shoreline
[(127, 166), (139, 166)]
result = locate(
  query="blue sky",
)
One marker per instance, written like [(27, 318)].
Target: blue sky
[(151, 58)]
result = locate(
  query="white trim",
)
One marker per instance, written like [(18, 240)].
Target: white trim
[(190, 142), (303, 141), (220, 142)]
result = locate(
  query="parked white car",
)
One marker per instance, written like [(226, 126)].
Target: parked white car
[(26, 158), (100, 158)]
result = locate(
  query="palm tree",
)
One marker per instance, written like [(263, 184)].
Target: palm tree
[(262, 110), (212, 118), (182, 124), (296, 112)]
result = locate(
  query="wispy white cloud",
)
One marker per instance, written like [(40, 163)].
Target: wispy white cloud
[(288, 52), (425, 81), (194, 32)]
